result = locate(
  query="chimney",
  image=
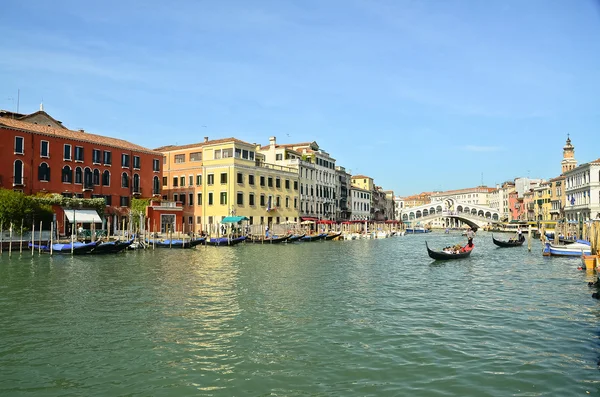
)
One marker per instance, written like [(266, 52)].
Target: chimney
[(272, 141), (81, 130), (205, 139)]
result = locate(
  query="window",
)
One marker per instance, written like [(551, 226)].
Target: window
[(223, 178), (175, 197), (251, 199), (295, 185), (155, 185), (107, 157), (179, 158), (164, 181), (124, 180), (240, 178), (238, 153), (87, 179), (198, 220), (277, 201), (227, 153), (245, 155), (210, 198), (190, 220), (124, 201), (199, 180), (287, 202), (251, 179), (240, 198), (191, 198), (262, 180), (156, 165), (124, 160), (106, 178), (211, 179), (18, 173), (278, 183), (175, 181), (44, 172), (67, 174), (78, 153), (191, 180), (136, 183), (199, 198), (223, 198), (279, 156), (96, 178), (295, 202), (78, 175), (287, 184), (262, 200), (196, 156), (182, 198), (44, 149), (182, 181), (19, 145), (136, 162), (67, 152), (270, 181)]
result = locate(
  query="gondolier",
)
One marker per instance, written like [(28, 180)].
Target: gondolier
[(470, 236)]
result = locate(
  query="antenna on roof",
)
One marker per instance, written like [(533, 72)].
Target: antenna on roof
[(42, 105), (18, 97)]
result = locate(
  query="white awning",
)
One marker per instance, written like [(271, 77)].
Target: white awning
[(82, 216)]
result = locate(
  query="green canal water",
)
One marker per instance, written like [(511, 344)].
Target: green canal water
[(348, 318)]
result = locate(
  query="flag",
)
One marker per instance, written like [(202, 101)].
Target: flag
[(572, 200)]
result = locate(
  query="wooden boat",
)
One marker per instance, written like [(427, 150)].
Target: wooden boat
[(78, 248), (576, 249), (176, 243), (331, 236), (111, 247), (442, 256), (268, 240), (225, 241), (509, 243), (295, 237), (418, 229), (313, 237)]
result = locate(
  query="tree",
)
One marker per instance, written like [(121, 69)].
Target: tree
[(15, 207)]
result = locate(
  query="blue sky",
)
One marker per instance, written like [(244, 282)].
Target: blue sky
[(419, 95)]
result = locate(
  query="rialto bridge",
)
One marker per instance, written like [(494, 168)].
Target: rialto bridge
[(453, 213)]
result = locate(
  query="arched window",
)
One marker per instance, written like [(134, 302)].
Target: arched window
[(106, 178), (18, 173), (44, 172), (78, 175), (136, 183), (96, 177), (124, 180), (87, 178), (67, 174), (155, 186)]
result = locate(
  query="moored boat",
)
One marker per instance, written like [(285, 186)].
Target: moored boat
[(176, 243), (76, 248), (509, 243), (331, 236), (111, 247), (296, 237), (412, 230), (443, 255), (313, 237), (267, 240), (576, 249), (225, 241)]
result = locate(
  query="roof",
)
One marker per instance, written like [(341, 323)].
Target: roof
[(361, 176), (288, 145), (72, 135), (169, 148)]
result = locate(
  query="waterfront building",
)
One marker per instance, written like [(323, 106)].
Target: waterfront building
[(390, 206), (583, 192), (542, 201), (499, 199), (361, 203), (366, 183), (524, 184), (40, 155), (517, 209), (228, 177), (557, 198), (529, 204), (479, 195), (417, 200), (317, 176), (343, 199), (398, 207)]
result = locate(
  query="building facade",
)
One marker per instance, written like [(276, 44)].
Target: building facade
[(361, 203), (582, 189)]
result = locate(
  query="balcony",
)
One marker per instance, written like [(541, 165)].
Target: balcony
[(137, 191), (88, 187)]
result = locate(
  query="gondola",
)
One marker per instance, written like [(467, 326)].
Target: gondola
[(295, 237), (111, 247), (331, 236), (313, 237), (509, 243), (176, 243), (267, 240), (225, 241), (442, 256), (78, 248)]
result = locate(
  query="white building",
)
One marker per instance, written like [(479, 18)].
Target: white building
[(475, 196), (399, 206), (361, 203), (499, 199), (583, 192)]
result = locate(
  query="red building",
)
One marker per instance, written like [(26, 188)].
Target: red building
[(39, 154)]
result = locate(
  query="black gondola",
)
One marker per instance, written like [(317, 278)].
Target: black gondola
[(509, 243), (225, 241), (296, 237), (267, 240), (176, 243), (333, 235), (111, 247), (442, 256), (313, 237)]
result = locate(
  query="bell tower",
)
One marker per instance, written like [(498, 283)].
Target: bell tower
[(568, 162)]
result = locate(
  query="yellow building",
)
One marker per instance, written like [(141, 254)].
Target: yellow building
[(557, 198), (542, 201), (363, 182), (225, 177)]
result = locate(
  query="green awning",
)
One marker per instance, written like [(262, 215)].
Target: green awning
[(234, 219)]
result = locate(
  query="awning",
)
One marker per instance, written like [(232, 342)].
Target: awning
[(82, 216), (234, 219), (306, 218)]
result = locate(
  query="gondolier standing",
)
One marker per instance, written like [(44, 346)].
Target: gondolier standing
[(470, 236), (519, 233)]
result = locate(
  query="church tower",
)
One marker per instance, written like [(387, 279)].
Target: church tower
[(568, 162)]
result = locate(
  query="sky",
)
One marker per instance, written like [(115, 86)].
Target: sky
[(419, 95)]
